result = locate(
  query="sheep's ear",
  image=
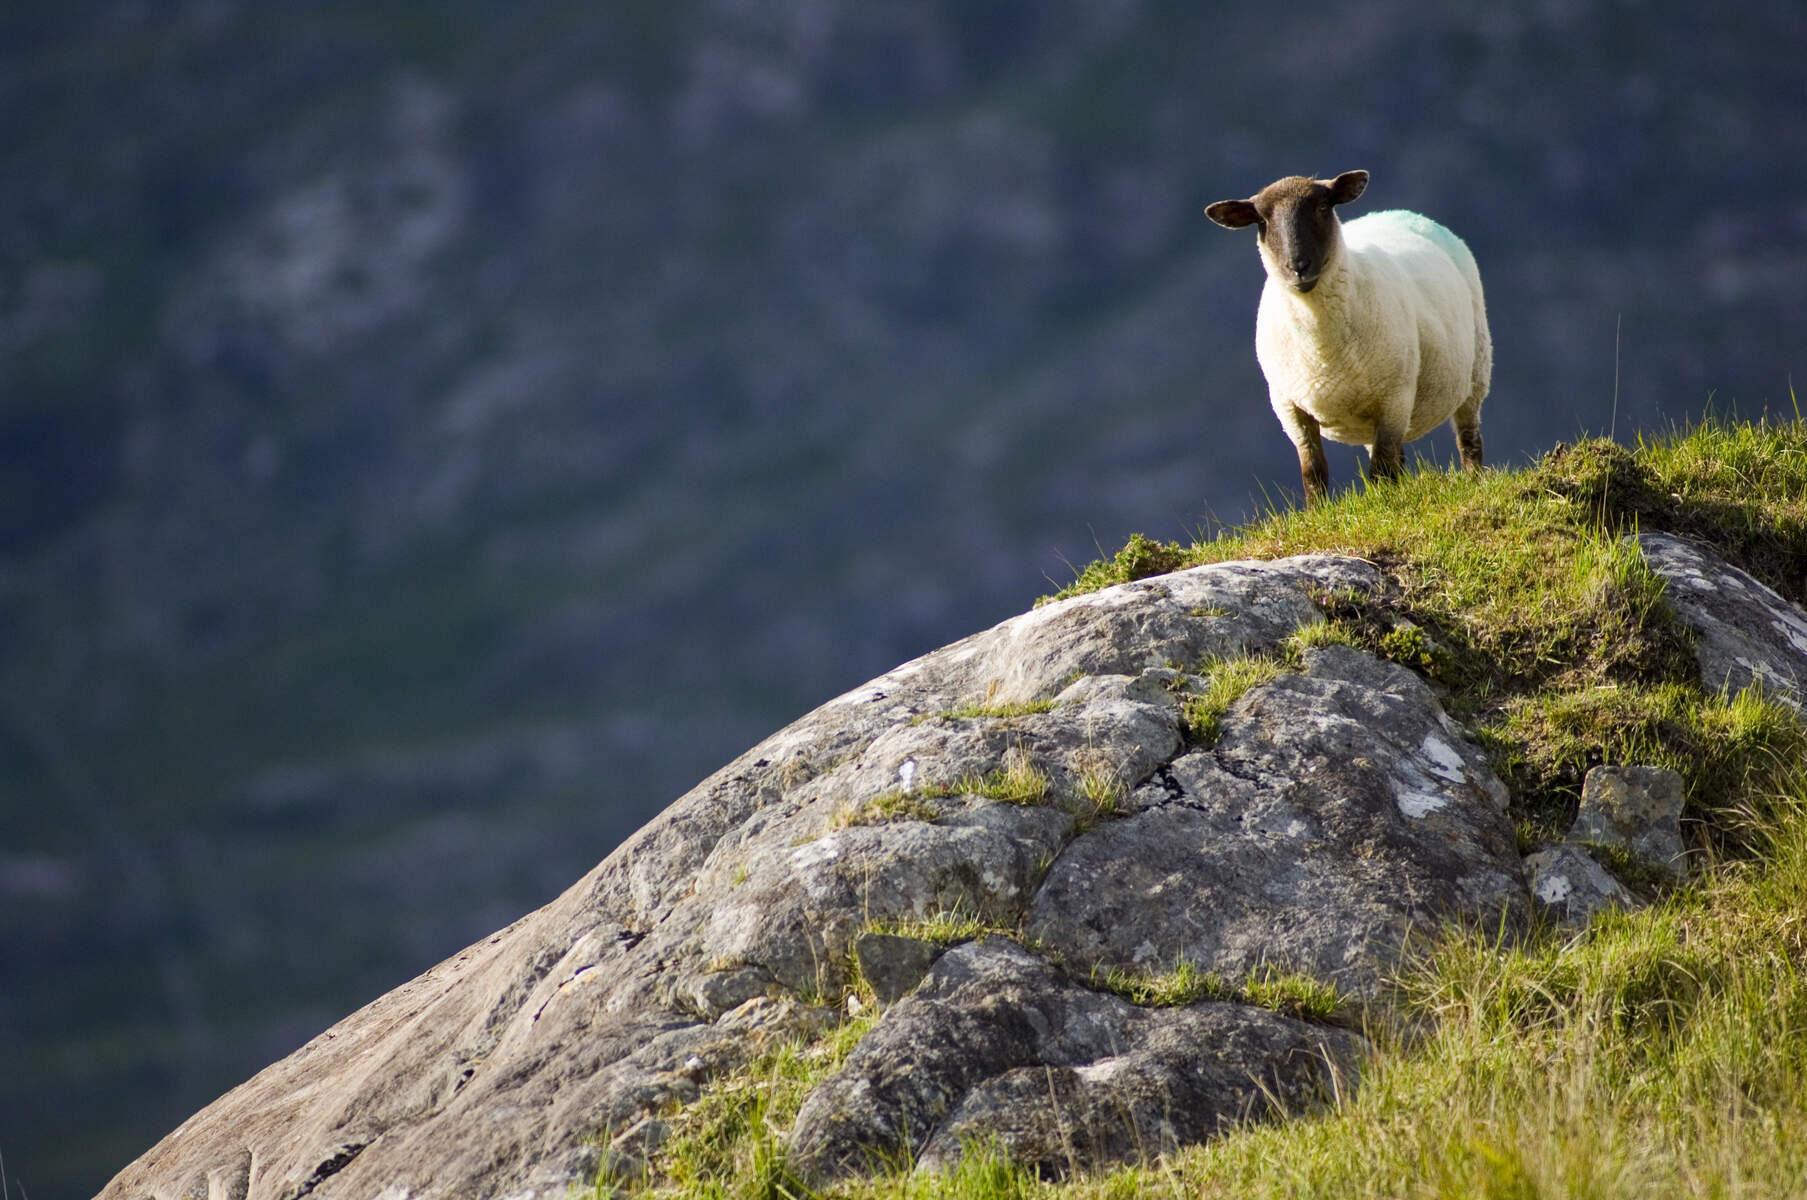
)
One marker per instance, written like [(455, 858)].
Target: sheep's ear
[(1233, 214), (1348, 186)]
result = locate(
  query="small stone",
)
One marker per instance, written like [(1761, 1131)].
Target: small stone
[(717, 992), (1637, 809), (894, 965), (1570, 887)]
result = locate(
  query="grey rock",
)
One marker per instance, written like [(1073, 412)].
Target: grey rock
[(716, 992), (1569, 887), (1746, 633), (1638, 810), (802, 906), (1185, 617), (1339, 810), (893, 965), (997, 1045), (1111, 727)]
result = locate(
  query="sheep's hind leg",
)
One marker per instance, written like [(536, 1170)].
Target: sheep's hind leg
[(1467, 422)]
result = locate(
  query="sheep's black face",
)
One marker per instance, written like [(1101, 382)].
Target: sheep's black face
[(1296, 223), (1298, 232)]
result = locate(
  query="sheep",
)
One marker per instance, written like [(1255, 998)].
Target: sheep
[(1370, 333)]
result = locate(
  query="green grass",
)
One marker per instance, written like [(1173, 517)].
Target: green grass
[(1662, 1053), (1018, 781), (1226, 681), (1101, 796), (886, 807), (730, 1142), (946, 928), (1286, 992), (1656, 1053), (970, 712)]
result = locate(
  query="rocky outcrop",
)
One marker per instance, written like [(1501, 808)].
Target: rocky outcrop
[(999, 1046), (1040, 791), (1339, 809), (1745, 632)]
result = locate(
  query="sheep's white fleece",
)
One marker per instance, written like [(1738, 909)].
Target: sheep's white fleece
[(1394, 334)]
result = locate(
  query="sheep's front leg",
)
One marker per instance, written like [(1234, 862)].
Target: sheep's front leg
[(1386, 457), (1314, 470)]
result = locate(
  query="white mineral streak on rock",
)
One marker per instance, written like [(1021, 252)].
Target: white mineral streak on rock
[(808, 861), (1420, 794), (1444, 759), (1554, 889), (824, 849), (1791, 626), (1762, 671), (1103, 1070), (1422, 804)]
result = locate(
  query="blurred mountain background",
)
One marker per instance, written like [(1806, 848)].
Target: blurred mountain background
[(434, 436)]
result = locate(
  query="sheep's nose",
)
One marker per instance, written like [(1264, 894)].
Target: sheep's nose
[(1302, 266)]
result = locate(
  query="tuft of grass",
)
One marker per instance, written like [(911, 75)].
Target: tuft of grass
[(731, 1141), (887, 807), (1183, 984), (1290, 993), (946, 928), (1320, 634), (972, 712), (1140, 558), (1101, 796), (1019, 781), (1226, 682), (1296, 994)]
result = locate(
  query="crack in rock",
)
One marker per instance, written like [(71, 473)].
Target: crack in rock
[(340, 1158)]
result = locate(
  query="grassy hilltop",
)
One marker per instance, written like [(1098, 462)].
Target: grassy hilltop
[(1657, 1053)]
